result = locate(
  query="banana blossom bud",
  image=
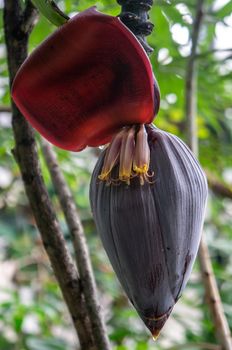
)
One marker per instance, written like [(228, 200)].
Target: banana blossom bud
[(150, 223)]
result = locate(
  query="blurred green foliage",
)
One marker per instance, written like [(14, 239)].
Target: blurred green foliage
[(32, 313)]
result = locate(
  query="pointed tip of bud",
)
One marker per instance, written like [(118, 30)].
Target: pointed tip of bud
[(155, 324), (155, 334)]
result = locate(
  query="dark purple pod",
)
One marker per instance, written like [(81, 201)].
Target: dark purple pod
[(151, 231)]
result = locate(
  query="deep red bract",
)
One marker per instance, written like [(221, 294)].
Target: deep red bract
[(86, 81)]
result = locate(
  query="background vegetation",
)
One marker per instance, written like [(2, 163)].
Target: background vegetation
[(33, 315)]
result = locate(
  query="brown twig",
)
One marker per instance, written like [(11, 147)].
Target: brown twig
[(212, 51), (213, 298), (5, 109), (208, 277), (219, 188), (25, 153), (79, 243), (30, 16)]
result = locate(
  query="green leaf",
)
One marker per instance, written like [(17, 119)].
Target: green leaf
[(225, 10), (51, 11)]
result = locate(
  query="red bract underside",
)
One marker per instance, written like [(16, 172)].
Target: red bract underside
[(85, 82)]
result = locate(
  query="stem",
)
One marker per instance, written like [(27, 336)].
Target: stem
[(80, 247), (25, 153), (191, 82), (208, 277), (134, 15), (51, 11)]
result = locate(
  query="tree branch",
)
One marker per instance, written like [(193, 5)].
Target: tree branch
[(79, 243), (219, 188), (213, 298), (208, 277), (5, 109), (25, 153), (191, 88), (212, 51), (30, 16)]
